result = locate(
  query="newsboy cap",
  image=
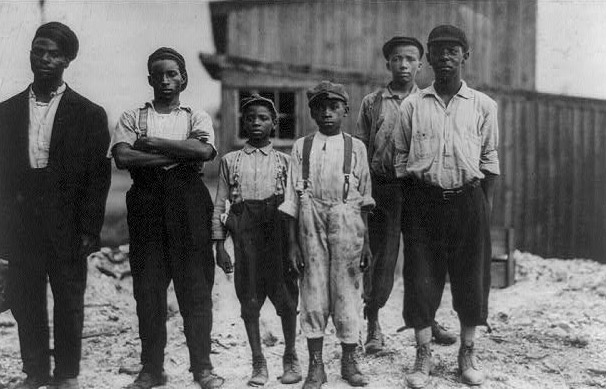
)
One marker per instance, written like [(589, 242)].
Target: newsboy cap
[(327, 90), (62, 35), (401, 41), (448, 33), (256, 99)]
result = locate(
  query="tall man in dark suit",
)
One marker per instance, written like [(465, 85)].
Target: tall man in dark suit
[(54, 180)]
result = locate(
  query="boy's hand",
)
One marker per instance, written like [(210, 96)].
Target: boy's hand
[(295, 259), (223, 259), (366, 255)]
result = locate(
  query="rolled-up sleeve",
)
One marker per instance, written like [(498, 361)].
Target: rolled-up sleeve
[(290, 206), (402, 135), (362, 171), (218, 229), (489, 158), (364, 122), (125, 131), (202, 129)]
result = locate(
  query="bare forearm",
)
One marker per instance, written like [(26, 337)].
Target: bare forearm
[(126, 157), (185, 150)]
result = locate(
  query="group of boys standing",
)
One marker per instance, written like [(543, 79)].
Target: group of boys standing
[(323, 225)]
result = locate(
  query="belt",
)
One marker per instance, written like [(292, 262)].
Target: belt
[(438, 193)]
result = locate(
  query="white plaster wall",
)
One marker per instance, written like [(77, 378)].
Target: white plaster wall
[(116, 37)]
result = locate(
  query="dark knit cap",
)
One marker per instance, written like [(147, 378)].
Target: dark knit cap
[(62, 35), (401, 41), (448, 33), (168, 53)]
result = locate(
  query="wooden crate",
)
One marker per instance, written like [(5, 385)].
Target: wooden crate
[(503, 265)]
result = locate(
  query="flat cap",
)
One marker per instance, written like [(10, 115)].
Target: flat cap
[(256, 99), (62, 35), (401, 41), (448, 33), (328, 90)]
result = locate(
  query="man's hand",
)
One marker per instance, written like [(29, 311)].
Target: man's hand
[(295, 259), (366, 254), (223, 259), (88, 245), (148, 144)]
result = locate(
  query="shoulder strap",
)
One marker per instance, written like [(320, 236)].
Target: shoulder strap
[(347, 156), (307, 142), (377, 105), (143, 121)]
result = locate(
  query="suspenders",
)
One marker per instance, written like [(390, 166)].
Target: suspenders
[(347, 156), (280, 176), (143, 112)]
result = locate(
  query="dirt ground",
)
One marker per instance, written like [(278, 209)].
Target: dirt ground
[(549, 331)]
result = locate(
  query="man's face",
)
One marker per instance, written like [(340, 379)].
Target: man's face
[(166, 79), (47, 59), (446, 59), (328, 113), (258, 122), (404, 63)]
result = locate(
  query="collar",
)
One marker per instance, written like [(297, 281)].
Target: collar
[(60, 90), (464, 91), (184, 107), (325, 138), (249, 149), (389, 94)]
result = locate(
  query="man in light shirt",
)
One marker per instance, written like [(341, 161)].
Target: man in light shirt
[(54, 180), (446, 151)]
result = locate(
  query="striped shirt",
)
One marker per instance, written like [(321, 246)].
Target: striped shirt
[(326, 176), (254, 173), (447, 146)]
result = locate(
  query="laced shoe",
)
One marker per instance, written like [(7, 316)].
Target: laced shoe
[(349, 367), (419, 378), (32, 382), (292, 368), (208, 380), (316, 375), (374, 338), (259, 376), (147, 380), (469, 366), (441, 335)]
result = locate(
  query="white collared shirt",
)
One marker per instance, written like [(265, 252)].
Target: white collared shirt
[(41, 119)]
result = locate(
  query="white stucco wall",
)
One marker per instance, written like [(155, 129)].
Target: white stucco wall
[(116, 37)]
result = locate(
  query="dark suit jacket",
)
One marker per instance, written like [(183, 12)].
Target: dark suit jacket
[(77, 183)]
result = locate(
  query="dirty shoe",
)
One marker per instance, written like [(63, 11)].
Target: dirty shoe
[(441, 335), (64, 383), (469, 366), (146, 380), (208, 380), (259, 376), (316, 375), (419, 378), (31, 382), (349, 366), (374, 338), (292, 369)]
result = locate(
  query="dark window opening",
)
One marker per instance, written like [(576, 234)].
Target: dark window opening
[(285, 105)]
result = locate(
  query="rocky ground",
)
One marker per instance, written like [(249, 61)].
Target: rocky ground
[(549, 331)]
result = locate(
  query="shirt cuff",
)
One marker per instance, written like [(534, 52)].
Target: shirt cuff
[(491, 167), (368, 203), (289, 207)]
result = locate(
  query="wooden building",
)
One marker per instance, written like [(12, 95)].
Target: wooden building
[(552, 147)]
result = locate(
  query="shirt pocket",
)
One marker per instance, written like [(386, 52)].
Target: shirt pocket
[(424, 144)]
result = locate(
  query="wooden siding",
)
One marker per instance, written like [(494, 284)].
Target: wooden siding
[(348, 35)]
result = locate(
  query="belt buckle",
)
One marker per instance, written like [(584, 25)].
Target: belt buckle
[(449, 194)]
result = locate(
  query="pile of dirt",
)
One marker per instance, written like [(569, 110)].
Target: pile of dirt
[(548, 331)]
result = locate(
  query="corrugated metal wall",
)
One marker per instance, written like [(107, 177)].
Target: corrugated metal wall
[(349, 34)]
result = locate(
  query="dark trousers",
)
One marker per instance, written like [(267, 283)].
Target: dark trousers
[(384, 229), (260, 236), (169, 216), (442, 236), (28, 274)]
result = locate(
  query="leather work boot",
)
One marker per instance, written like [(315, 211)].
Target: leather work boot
[(208, 380), (259, 376), (146, 380), (469, 366), (419, 378), (316, 375), (374, 338), (64, 383), (349, 366), (441, 335), (32, 382), (292, 369)]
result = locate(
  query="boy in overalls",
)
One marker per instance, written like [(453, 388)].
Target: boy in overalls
[(252, 180), (163, 144), (328, 197)]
